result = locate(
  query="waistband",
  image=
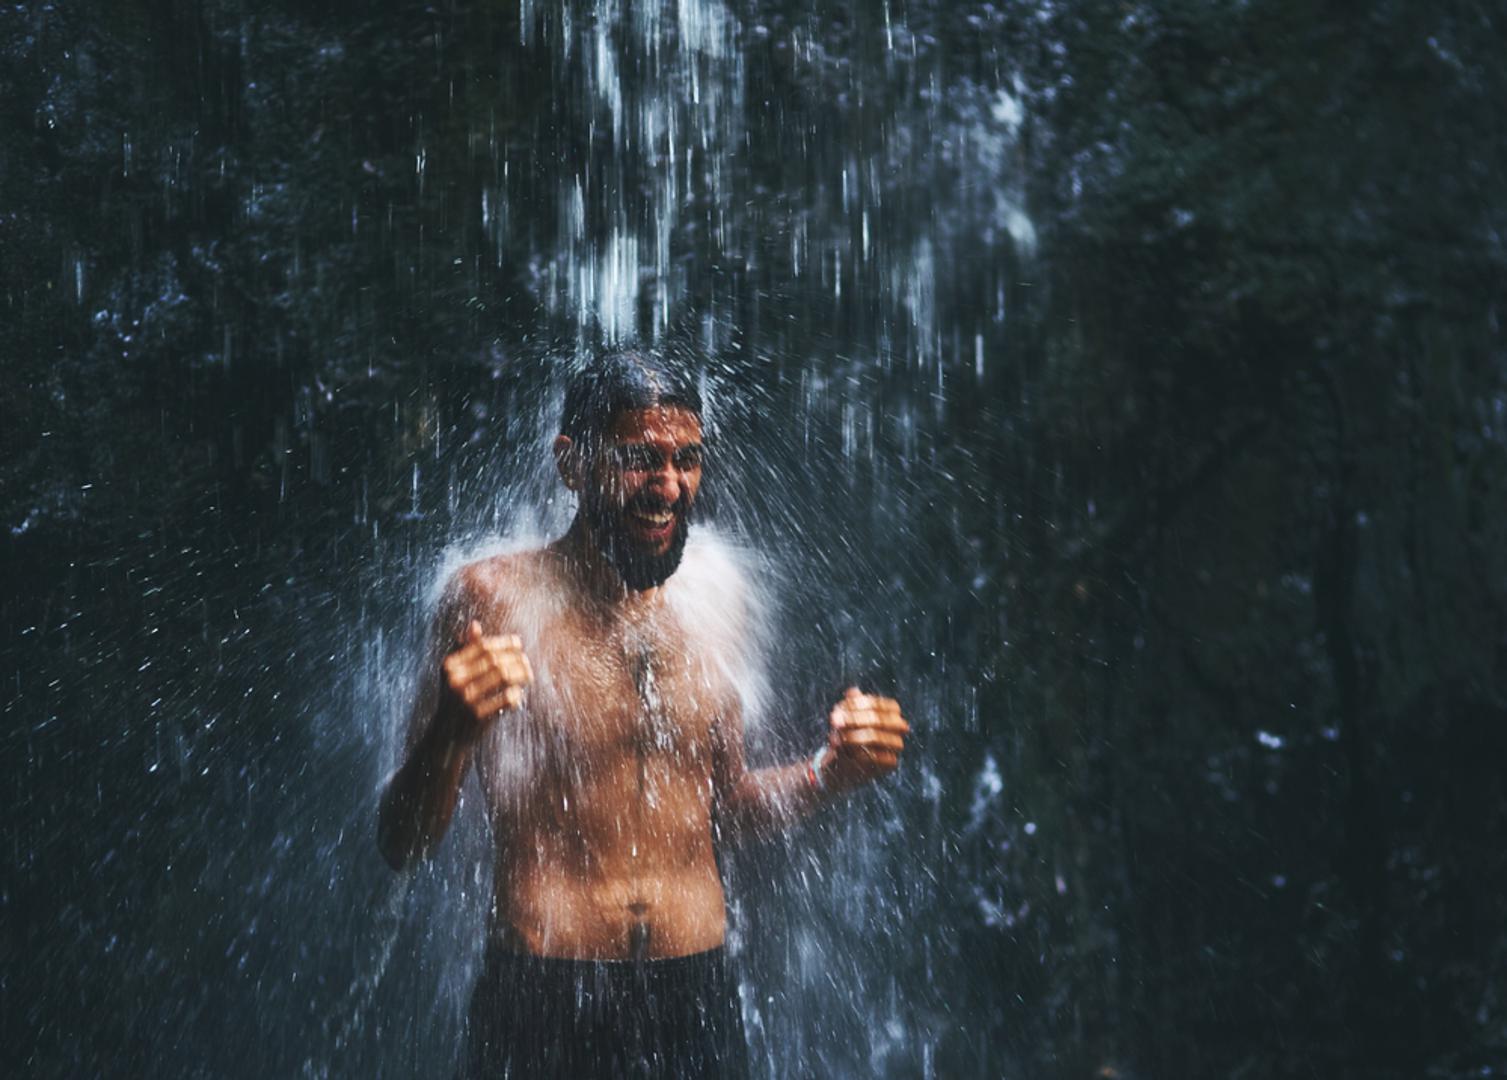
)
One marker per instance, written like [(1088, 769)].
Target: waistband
[(501, 955)]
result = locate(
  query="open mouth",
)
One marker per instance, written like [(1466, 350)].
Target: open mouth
[(644, 539), (654, 525)]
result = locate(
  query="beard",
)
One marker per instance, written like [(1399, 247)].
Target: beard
[(639, 567)]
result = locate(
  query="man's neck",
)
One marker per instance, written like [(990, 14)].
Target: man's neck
[(594, 575)]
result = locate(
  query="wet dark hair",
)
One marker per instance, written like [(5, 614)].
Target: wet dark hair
[(616, 382)]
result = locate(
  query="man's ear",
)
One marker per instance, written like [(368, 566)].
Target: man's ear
[(568, 461)]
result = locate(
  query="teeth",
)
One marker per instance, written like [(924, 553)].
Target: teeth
[(661, 518)]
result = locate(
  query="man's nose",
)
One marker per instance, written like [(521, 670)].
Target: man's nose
[(666, 481)]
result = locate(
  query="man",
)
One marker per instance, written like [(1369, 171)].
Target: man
[(595, 691)]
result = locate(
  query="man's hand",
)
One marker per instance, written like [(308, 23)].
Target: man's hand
[(865, 740), (484, 677)]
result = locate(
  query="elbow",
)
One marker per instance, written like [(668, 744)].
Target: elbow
[(396, 849), (729, 828), (392, 852)]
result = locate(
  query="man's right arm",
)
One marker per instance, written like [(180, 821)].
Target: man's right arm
[(421, 796), (482, 678)]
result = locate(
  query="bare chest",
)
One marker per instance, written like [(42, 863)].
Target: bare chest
[(607, 692)]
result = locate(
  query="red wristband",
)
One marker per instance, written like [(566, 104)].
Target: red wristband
[(814, 769)]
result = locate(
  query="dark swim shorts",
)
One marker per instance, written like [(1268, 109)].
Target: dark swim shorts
[(534, 1016)]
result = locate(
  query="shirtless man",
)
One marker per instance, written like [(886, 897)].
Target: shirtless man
[(606, 728)]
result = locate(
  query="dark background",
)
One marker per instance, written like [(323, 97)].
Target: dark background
[(1122, 385)]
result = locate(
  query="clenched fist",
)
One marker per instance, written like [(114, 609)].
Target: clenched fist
[(864, 742), (483, 677)]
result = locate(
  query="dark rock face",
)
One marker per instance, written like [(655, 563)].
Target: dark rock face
[(1120, 386)]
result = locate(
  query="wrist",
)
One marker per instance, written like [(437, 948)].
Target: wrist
[(816, 768), (452, 736)]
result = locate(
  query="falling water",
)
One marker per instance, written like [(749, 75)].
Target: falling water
[(823, 210)]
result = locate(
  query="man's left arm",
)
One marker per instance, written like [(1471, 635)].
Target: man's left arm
[(865, 737)]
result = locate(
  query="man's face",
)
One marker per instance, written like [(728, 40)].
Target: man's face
[(638, 493)]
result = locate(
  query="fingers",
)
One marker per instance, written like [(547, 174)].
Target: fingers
[(488, 673), (507, 652), (857, 709), (872, 738), (503, 654), (855, 699), (487, 703), (845, 720), (509, 697), (485, 683), (886, 760), (868, 732)]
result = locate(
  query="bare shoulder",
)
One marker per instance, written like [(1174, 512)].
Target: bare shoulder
[(711, 592), (499, 580), (497, 575), (495, 587)]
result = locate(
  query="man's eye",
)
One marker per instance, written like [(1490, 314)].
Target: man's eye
[(689, 458), (636, 458)]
